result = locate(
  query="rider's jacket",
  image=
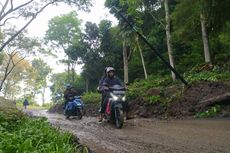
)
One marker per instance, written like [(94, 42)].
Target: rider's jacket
[(112, 81), (69, 93)]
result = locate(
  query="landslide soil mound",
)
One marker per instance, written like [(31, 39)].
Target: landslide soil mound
[(198, 92), (90, 109), (184, 101)]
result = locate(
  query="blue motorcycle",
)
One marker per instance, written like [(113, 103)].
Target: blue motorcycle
[(74, 107)]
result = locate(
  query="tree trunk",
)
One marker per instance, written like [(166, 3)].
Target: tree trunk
[(125, 60), (87, 85), (205, 39), (33, 95), (68, 71), (73, 74), (142, 58), (168, 37), (6, 89), (43, 96), (225, 97)]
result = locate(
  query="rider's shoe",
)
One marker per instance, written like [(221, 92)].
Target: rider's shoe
[(100, 118)]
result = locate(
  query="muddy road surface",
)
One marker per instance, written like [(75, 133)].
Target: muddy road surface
[(148, 135)]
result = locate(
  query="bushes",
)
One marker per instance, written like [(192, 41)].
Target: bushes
[(139, 88), (91, 97), (208, 73), (213, 111), (34, 135), (162, 91), (19, 133)]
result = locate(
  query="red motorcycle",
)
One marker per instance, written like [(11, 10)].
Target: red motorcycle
[(115, 107)]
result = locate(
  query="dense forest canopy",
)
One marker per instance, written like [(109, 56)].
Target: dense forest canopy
[(186, 33)]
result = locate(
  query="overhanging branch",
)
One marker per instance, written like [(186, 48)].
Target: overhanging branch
[(25, 26)]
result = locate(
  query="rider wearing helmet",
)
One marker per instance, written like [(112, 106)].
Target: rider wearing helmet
[(69, 92), (110, 80)]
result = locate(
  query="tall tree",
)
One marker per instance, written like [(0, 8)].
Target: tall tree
[(127, 33), (10, 63), (64, 32), (203, 22), (100, 47), (197, 19), (153, 8), (168, 37), (142, 57), (42, 71), (29, 10), (12, 85), (20, 47), (125, 61)]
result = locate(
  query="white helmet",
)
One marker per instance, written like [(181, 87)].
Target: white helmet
[(110, 69)]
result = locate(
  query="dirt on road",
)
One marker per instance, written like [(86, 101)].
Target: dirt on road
[(147, 135)]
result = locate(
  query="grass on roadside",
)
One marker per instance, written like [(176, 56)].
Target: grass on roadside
[(23, 134)]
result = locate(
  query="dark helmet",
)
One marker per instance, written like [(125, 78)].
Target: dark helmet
[(68, 86), (110, 69)]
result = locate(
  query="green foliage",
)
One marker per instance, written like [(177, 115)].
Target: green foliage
[(9, 118), (91, 97), (19, 133), (47, 105), (153, 91), (212, 112), (42, 70), (153, 99), (224, 36), (215, 74), (34, 135), (207, 75), (64, 30), (140, 87), (103, 48), (101, 45), (60, 80)]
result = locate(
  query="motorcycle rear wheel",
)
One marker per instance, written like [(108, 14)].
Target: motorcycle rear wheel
[(79, 112)]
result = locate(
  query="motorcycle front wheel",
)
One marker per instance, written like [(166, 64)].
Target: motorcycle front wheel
[(119, 118)]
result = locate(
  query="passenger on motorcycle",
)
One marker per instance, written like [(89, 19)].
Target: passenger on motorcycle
[(110, 80), (102, 79), (69, 92), (100, 87)]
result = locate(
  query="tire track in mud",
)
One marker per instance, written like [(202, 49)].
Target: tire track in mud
[(148, 135)]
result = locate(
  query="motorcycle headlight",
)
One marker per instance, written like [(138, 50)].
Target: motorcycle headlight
[(115, 98), (123, 98)]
